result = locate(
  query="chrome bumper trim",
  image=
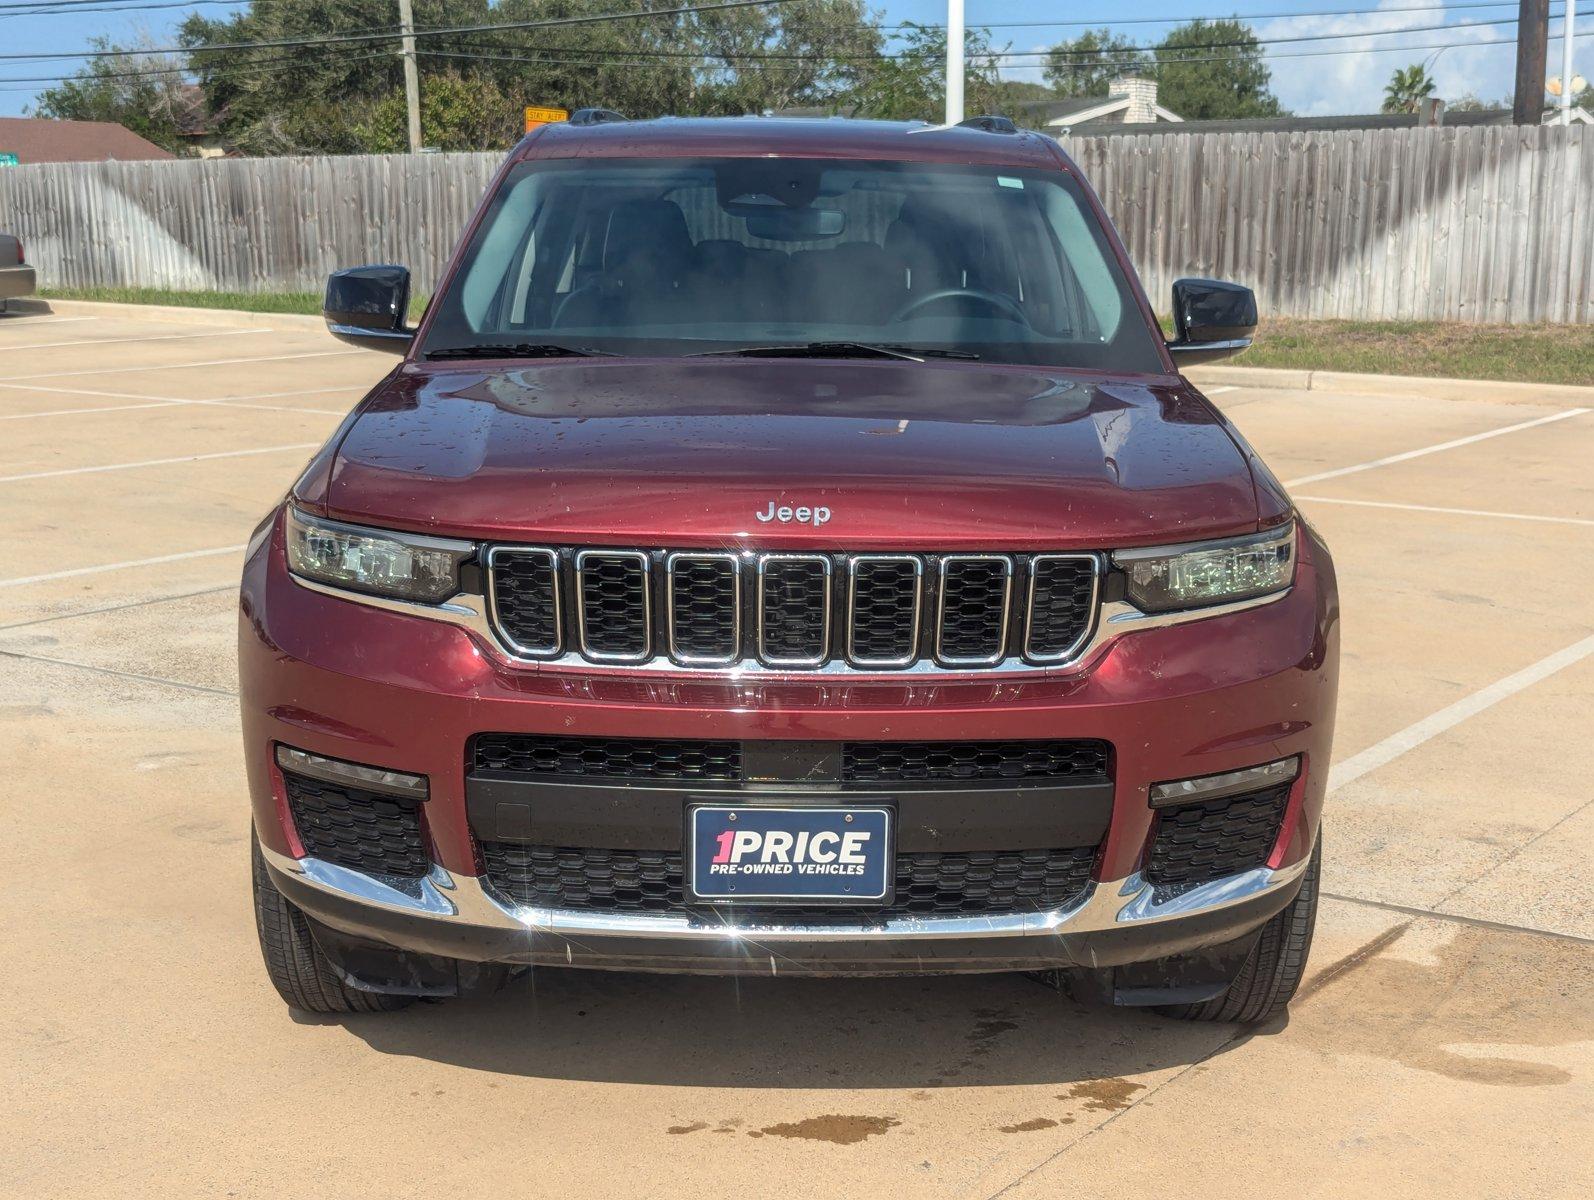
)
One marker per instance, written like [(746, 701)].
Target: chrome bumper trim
[(462, 899)]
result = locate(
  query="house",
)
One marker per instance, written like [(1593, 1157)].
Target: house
[(1129, 100), (39, 140)]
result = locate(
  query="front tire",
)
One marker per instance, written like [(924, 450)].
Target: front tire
[(302, 975), (1275, 967)]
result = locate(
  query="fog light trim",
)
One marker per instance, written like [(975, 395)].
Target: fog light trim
[(333, 770), (1230, 783)]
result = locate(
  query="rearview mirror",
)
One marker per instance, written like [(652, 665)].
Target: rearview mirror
[(1211, 320), (797, 224), (367, 306)]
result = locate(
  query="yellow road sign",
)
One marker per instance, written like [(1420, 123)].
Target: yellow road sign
[(536, 116)]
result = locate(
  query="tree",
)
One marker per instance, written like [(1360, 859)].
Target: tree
[(910, 83), (1085, 65), (339, 98), (1214, 70), (1408, 87), (458, 112), (107, 90)]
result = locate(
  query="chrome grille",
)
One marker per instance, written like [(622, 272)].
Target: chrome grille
[(615, 608), (883, 602), (794, 592), (971, 626), (819, 612), (705, 611)]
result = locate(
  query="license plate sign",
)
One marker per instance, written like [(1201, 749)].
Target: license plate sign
[(799, 854)]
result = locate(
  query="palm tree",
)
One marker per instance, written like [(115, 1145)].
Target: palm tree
[(1407, 89)]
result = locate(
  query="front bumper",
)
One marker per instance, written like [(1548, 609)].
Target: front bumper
[(1114, 923), (353, 682)]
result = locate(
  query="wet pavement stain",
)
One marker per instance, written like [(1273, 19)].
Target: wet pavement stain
[(1459, 1010), (834, 1127), (1103, 1095), (1030, 1126), (692, 1128)]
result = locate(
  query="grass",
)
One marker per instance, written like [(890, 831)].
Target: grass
[(1527, 353), (264, 302)]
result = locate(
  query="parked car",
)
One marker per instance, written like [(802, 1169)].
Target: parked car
[(788, 547), (16, 277)]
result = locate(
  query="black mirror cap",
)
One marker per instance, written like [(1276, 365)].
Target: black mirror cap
[(1211, 320), (367, 306)]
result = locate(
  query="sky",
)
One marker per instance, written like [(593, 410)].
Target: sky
[(1306, 84)]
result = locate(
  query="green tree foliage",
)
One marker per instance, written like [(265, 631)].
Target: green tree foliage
[(909, 83), (1204, 69), (341, 99), (458, 112), (1408, 87), (106, 90), (1085, 65), (1214, 70)]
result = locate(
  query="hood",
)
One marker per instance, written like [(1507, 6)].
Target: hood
[(677, 452)]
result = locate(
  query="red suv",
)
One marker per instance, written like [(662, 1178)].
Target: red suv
[(788, 547)]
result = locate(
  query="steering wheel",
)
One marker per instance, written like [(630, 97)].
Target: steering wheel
[(1003, 304)]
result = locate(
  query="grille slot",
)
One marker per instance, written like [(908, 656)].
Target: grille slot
[(885, 762), (1076, 761), (800, 611), (524, 589), (705, 606), (794, 609), (368, 831), (883, 601), (971, 625), (1062, 605), (1197, 843), (612, 593), (984, 883), (615, 758)]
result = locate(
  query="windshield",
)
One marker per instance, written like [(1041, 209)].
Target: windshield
[(676, 257)]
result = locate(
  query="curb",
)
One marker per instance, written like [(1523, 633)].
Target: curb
[(177, 314), (1495, 391)]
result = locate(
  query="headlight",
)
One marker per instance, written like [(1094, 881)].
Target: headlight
[(1206, 573), (405, 566)]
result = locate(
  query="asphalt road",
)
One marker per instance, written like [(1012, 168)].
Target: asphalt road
[(1444, 1044)]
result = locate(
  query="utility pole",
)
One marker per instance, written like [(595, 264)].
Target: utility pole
[(1566, 62), (1533, 33), (954, 61), (412, 80)]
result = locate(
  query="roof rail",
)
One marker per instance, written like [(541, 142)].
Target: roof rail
[(596, 116), (990, 124)]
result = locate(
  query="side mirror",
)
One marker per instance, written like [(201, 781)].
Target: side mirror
[(367, 306), (1211, 320)]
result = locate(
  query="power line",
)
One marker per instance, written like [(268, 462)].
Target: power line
[(347, 38)]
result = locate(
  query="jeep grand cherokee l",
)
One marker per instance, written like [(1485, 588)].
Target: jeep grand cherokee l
[(787, 547)]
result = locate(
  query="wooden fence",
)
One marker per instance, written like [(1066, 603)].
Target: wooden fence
[(1468, 223)]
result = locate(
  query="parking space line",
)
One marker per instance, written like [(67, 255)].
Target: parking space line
[(78, 412), (1456, 512), (78, 572), (1450, 445), (217, 362), (159, 337), (158, 462), (1218, 391), (1396, 744)]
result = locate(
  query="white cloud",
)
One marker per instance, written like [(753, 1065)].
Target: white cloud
[(1354, 83)]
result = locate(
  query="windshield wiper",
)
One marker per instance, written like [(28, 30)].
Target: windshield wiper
[(837, 350), (517, 350)]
